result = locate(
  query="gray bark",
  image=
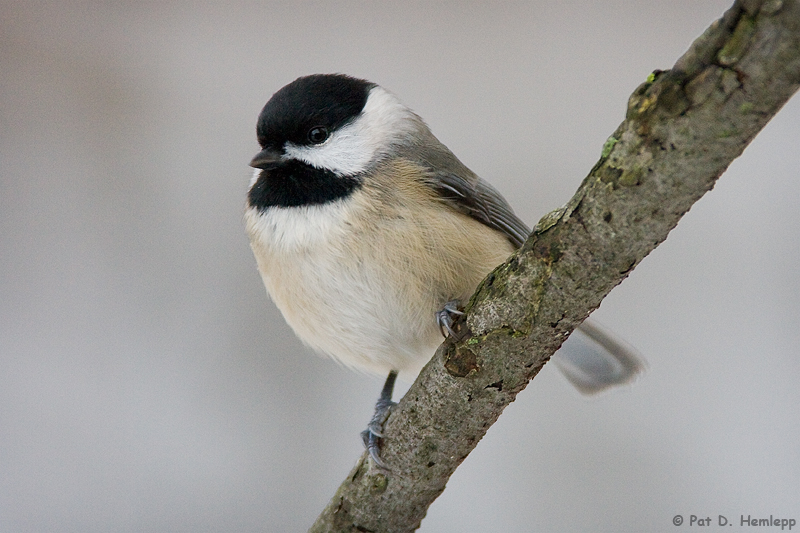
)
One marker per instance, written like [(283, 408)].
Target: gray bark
[(683, 128)]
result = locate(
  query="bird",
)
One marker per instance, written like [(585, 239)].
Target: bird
[(369, 234)]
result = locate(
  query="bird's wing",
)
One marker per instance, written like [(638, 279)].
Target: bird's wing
[(463, 190), (475, 197)]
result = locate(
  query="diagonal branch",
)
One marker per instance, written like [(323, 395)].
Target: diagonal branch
[(682, 130)]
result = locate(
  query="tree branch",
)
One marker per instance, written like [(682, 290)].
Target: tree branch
[(682, 130)]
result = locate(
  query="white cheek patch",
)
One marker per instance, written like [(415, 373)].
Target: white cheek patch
[(383, 122), (293, 228)]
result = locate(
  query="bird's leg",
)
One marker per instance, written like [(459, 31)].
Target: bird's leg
[(372, 436), (447, 316), (374, 433)]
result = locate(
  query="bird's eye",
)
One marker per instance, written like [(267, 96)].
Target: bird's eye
[(318, 134)]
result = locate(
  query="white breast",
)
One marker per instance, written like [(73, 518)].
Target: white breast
[(336, 295), (298, 229)]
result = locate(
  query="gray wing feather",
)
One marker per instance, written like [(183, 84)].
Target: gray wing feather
[(471, 195)]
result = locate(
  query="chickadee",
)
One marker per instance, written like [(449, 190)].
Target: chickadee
[(368, 231)]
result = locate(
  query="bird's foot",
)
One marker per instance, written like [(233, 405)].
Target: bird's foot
[(373, 435), (447, 317)]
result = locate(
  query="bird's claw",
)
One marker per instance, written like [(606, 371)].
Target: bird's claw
[(446, 317), (373, 435)]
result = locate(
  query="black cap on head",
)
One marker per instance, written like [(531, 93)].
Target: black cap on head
[(327, 100)]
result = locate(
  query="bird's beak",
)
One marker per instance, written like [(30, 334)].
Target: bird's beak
[(266, 159)]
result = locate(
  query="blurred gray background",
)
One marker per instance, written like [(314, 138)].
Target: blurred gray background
[(147, 383)]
